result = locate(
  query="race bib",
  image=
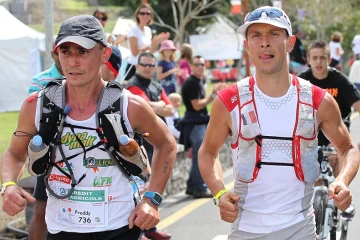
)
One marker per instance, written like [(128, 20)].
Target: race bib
[(86, 206)]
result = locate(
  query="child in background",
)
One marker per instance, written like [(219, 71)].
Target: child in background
[(176, 100), (167, 72), (186, 55), (336, 50)]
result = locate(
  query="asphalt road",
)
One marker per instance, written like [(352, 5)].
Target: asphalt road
[(188, 219)]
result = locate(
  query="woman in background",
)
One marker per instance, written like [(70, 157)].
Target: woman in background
[(140, 37)]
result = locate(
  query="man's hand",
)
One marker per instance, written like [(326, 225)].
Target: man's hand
[(15, 199), (341, 195), (145, 216), (229, 206)]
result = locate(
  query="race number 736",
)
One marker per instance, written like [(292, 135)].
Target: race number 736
[(84, 220)]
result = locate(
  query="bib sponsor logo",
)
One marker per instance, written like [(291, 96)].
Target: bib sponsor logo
[(102, 181), (59, 178), (88, 196), (63, 166), (70, 140), (93, 162)]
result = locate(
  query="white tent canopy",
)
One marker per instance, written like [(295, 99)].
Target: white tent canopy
[(220, 42), (19, 59)]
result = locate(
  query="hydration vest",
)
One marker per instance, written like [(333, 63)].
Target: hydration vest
[(247, 140), (110, 124)]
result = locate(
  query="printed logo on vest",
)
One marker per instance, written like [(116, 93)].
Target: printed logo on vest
[(102, 181), (59, 178), (70, 140), (63, 166), (92, 162)]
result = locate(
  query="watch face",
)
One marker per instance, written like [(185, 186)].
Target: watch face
[(157, 198)]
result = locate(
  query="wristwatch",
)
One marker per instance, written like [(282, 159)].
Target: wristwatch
[(216, 199), (4, 186), (155, 197)]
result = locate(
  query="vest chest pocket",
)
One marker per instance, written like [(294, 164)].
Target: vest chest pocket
[(306, 126), (249, 124)]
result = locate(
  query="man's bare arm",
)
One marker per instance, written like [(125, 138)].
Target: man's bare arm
[(143, 119), (14, 157), (329, 118), (217, 132), (356, 106), (160, 108)]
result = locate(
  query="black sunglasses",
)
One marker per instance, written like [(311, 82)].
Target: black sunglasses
[(147, 65), (144, 13), (102, 18), (199, 64)]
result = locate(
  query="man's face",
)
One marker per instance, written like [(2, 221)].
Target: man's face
[(198, 67), (268, 47), (81, 66), (318, 59), (146, 67)]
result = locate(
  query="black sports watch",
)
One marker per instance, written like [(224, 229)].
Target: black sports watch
[(155, 197)]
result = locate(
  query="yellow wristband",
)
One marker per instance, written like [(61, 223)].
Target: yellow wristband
[(5, 184), (218, 195)]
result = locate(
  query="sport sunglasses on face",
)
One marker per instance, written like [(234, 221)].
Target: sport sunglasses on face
[(144, 13)]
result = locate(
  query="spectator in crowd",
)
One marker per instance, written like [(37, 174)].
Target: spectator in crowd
[(167, 70), (356, 47), (354, 75), (54, 72), (103, 17), (186, 54), (336, 50), (298, 61), (143, 85), (171, 121), (337, 85), (110, 70), (194, 123), (140, 38)]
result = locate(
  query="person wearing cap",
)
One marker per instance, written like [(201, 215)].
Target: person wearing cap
[(272, 119), (110, 70), (167, 70), (96, 209)]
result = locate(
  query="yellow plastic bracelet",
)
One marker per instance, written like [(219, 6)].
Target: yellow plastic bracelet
[(5, 184), (218, 195)]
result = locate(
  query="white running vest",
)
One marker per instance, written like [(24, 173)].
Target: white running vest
[(101, 174), (275, 198)]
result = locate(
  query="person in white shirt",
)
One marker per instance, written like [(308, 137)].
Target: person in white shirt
[(356, 47), (336, 50), (140, 38)]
